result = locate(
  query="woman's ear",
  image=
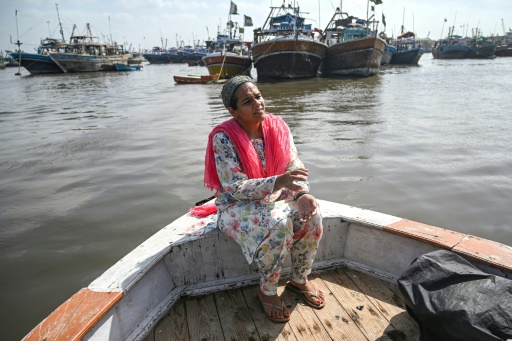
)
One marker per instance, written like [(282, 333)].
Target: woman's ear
[(232, 111)]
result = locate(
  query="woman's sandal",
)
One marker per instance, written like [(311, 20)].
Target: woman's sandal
[(279, 320), (304, 294)]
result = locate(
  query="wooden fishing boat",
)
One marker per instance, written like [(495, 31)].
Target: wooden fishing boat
[(40, 62), (126, 67), (86, 54), (3, 61), (503, 51), (354, 49), (227, 64), (389, 50), (136, 58), (504, 45), (284, 47), (451, 47), (480, 49), (191, 79), (189, 281), (228, 55), (160, 55), (407, 49)]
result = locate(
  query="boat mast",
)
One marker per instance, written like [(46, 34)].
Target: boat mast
[(110, 30), (403, 19), (60, 24), (367, 17), (19, 45)]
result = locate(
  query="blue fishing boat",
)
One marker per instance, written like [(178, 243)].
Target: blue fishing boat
[(41, 62), (480, 47), (125, 67), (408, 51)]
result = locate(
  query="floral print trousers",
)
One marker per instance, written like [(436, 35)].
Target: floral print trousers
[(300, 239)]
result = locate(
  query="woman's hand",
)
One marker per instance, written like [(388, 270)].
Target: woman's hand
[(287, 179), (307, 207)]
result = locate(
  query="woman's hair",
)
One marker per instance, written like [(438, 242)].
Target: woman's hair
[(228, 90)]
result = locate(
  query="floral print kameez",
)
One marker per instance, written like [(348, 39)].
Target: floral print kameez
[(264, 221)]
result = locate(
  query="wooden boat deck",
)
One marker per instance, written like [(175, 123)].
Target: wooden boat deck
[(358, 307)]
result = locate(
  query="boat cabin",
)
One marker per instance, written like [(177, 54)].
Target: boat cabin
[(284, 22)]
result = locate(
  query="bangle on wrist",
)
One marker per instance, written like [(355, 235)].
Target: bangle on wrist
[(298, 195)]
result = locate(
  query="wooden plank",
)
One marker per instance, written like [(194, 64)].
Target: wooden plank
[(75, 317), (388, 304), (267, 329), (234, 315), (303, 321), (368, 318), (173, 326), (238, 314), (203, 321), (335, 320)]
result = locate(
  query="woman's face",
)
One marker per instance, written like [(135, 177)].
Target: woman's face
[(250, 105)]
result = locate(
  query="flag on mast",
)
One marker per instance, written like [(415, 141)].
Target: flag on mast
[(233, 9), (247, 21)]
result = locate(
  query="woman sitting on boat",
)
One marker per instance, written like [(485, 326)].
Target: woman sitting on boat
[(263, 198)]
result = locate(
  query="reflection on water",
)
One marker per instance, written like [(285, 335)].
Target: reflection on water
[(93, 164)]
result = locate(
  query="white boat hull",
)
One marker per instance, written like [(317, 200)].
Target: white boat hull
[(188, 258)]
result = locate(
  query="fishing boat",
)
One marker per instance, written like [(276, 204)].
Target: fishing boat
[(136, 58), (227, 64), (189, 281), (285, 47), (159, 55), (41, 62), (408, 51), (449, 48), (503, 51), (86, 54), (504, 45), (228, 55), (354, 49), (194, 79), (127, 67), (9, 61), (3, 61), (456, 47), (389, 50), (480, 49)]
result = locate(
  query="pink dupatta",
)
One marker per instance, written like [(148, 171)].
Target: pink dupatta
[(277, 155)]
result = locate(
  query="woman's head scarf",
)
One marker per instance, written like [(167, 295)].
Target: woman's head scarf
[(228, 90)]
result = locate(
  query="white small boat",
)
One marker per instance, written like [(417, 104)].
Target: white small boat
[(191, 257)]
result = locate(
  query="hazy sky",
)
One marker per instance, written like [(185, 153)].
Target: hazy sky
[(143, 23)]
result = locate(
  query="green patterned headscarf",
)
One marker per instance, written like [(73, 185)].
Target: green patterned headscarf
[(228, 90)]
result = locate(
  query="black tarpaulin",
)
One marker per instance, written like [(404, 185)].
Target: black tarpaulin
[(451, 299)]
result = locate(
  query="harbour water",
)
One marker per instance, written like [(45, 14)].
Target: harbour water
[(93, 164)]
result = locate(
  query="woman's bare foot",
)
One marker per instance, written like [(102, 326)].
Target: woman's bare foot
[(309, 292), (274, 308)]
